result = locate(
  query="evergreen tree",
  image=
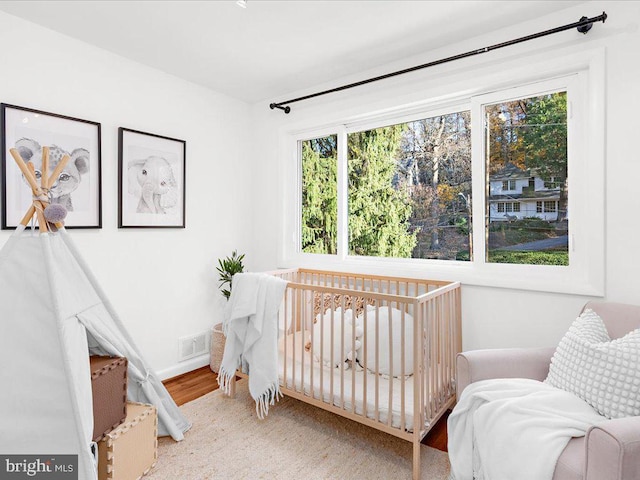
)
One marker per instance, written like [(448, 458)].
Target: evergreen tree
[(378, 212), (319, 195)]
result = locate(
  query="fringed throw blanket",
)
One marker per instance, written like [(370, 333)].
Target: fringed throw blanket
[(251, 328), (513, 428)]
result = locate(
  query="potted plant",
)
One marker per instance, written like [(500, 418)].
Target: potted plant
[(227, 268)]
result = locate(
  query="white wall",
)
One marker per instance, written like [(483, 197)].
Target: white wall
[(161, 281), (492, 317)]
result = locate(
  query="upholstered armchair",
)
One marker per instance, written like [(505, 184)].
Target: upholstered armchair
[(611, 449)]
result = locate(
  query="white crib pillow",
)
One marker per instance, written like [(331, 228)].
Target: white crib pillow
[(605, 373), (322, 335), (385, 316)]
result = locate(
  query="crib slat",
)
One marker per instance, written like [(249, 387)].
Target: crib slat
[(434, 358), (287, 292), (295, 332), (303, 321), (390, 404), (402, 369), (441, 340), (342, 304), (309, 323), (365, 411), (353, 354), (322, 346), (377, 347)]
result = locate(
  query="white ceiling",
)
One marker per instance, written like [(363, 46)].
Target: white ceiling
[(272, 48)]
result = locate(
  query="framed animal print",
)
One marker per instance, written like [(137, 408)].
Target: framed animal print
[(151, 180), (77, 187)]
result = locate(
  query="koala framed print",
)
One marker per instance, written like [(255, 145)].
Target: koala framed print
[(151, 180), (77, 187)]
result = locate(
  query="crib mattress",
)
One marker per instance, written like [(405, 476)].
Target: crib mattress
[(346, 388)]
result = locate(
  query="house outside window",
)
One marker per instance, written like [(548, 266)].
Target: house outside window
[(527, 139)]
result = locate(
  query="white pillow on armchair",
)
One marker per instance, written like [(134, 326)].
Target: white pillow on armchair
[(604, 373)]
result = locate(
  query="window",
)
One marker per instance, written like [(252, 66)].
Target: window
[(409, 189), (508, 185), (508, 207), (319, 159), (451, 186), (528, 136), (547, 207)]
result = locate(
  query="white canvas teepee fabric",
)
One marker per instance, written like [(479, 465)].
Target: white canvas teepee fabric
[(52, 315)]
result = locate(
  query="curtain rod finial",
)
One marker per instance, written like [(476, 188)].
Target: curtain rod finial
[(277, 105)]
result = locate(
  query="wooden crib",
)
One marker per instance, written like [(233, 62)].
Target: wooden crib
[(347, 345)]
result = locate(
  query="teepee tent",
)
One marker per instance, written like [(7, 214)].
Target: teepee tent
[(53, 315)]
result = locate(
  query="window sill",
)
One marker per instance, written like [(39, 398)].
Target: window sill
[(553, 279)]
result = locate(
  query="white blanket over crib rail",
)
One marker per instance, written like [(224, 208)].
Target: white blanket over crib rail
[(251, 327)]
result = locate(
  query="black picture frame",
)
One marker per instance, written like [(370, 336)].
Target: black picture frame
[(151, 180), (79, 186)]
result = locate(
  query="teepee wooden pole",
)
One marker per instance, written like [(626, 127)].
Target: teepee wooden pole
[(32, 171), (25, 171), (42, 222), (58, 170), (28, 216), (44, 175), (38, 205)]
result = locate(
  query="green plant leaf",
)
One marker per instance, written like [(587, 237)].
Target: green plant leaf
[(227, 268)]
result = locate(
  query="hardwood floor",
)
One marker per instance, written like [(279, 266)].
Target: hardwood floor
[(191, 385), (197, 383)]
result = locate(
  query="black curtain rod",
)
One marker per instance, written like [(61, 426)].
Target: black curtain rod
[(583, 25)]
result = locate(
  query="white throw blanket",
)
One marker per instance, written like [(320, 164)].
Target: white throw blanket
[(506, 429), (251, 328)]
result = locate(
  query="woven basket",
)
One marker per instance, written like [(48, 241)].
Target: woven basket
[(217, 347)]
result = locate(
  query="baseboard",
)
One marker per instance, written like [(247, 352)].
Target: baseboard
[(184, 367)]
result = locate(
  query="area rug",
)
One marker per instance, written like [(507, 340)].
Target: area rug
[(296, 440)]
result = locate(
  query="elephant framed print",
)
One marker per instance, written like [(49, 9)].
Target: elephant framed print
[(77, 187), (151, 180)]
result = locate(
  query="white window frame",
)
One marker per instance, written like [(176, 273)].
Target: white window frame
[(584, 73)]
